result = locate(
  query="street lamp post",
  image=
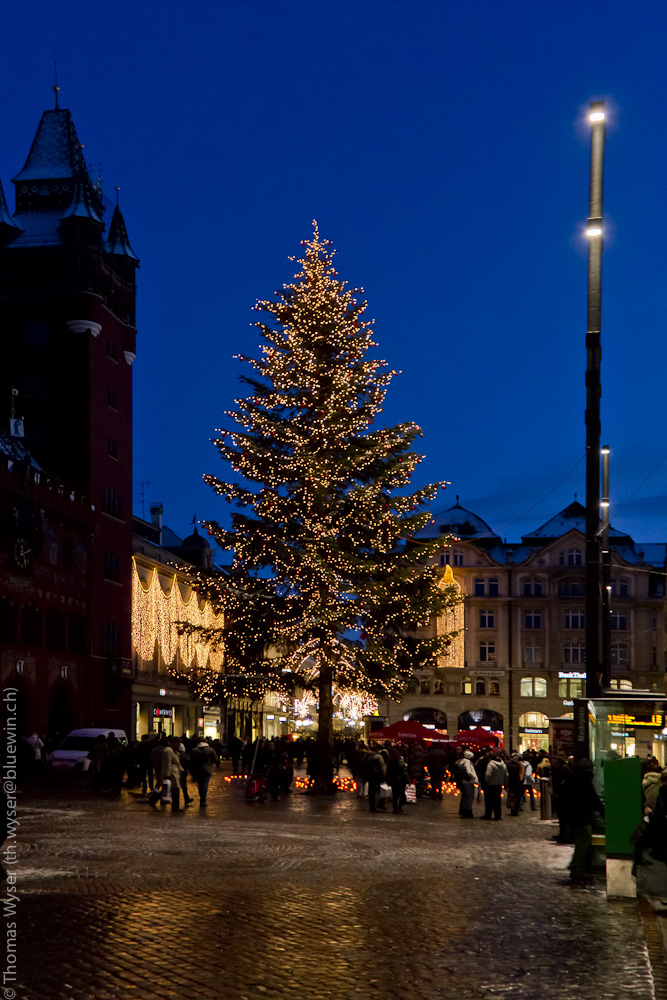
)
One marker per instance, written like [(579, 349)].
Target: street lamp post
[(594, 601)]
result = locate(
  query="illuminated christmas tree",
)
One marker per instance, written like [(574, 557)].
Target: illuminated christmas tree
[(327, 586)]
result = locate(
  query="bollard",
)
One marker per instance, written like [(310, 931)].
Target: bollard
[(545, 798)]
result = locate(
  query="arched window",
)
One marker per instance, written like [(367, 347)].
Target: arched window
[(532, 588), (534, 720), (621, 685), (620, 587), (466, 685), (570, 558), (571, 588), (494, 688), (480, 687)]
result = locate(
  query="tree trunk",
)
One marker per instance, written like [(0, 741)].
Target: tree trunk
[(325, 772)]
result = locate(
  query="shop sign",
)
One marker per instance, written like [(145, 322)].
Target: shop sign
[(574, 675), (657, 720), (540, 732), (163, 713)]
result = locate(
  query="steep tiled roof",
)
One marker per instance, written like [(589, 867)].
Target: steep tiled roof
[(118, 242), (55, 153)]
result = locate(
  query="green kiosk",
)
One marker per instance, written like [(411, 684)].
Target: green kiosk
[(617, 733)]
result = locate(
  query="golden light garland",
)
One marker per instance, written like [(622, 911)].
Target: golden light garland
[(155, 614), (450, 624)]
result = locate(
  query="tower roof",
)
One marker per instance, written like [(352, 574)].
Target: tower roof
[(457, 521), (118, 242), (6, 221), (83, 204), (55, 153)]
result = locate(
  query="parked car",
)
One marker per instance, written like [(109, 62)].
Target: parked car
[(72, 754)]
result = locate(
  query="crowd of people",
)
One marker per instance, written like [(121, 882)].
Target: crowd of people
[(162, 766)]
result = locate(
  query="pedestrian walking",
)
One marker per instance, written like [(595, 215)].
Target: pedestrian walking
[(514, 784), (496, 777), (202, 762), (436, 762), (377, 773), (397, 777), (467, 776), (579, 803), (528, 783)]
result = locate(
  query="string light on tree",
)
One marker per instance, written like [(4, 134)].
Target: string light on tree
[(327, 581)]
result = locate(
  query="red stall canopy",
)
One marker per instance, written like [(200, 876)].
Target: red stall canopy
[(478, 737), (407, 732)]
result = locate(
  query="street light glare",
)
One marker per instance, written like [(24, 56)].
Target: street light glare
[(594, 231), (596, 116)]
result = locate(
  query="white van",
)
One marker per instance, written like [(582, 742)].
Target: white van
[(74, 749)]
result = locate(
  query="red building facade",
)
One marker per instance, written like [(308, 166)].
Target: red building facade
[(67, 320)]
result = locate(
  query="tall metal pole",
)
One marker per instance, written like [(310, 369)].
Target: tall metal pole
[(593, 393), (606, 571)]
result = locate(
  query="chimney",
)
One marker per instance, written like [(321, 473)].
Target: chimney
[(156, 517)]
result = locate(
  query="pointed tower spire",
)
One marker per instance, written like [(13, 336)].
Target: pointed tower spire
[(8, 228), (118, 242)]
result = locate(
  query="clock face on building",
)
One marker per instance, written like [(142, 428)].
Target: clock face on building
[(22, 553)]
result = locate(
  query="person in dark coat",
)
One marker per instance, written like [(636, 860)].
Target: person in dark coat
[(377, 772), (397, 777), (202, 762), (436, 762), (580, 802), (514, 784), (235, 748)]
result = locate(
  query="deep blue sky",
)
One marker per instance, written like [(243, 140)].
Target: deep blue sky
[(442, 147)]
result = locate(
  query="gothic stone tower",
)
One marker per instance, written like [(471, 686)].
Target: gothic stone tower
[(67, 321)]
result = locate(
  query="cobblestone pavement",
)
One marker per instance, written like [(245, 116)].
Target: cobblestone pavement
[(309, 899)]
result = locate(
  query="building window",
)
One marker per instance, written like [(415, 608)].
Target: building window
[(486, 619), (533, 687), (571, 588), (111, 565), (493, 587), (110, 637), (532, 588), (619, 588), (532, 619), (575, 619), (112, 447), (619, 621), (532, 653), (9, 620), (112, 398), (494, 688), (32, 625), (480, 688), (534, 720), (77, 634), (55, 629), (466, 685), (487, 652), (574, 653), (111, 501), (458, 557), (570, 558), (479, 588), (424, 686), (570, 688), (621, 685), (618, 655), (112, 349)]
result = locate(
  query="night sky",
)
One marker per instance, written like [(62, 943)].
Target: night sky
[(443, 148)]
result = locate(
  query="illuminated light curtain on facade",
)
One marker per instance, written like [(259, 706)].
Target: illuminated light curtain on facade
[(452, 621), (155, 614)]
